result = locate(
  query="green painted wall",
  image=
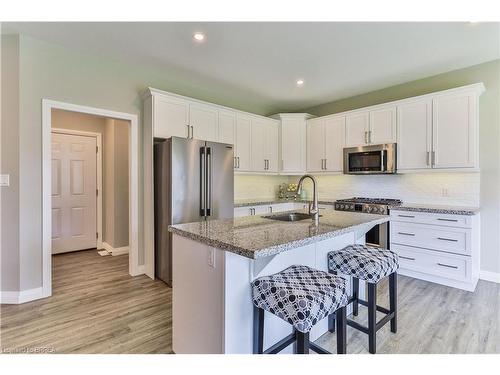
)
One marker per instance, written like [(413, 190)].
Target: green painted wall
[(489, 117)]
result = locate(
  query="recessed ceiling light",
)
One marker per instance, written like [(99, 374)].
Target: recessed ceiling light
[(300, 82), (199, 37)]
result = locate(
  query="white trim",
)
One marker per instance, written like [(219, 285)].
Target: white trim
[(47, 106), (114, 251), (98, 137), (490, 276), (22, 296)]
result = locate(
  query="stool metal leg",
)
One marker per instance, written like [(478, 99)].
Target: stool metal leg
[(331, 323), (341, 330), (355, 295), (393, 296), (372, 317), (302, 343), (258, 330)]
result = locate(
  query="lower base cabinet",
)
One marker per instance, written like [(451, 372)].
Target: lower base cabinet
[(446, 254)]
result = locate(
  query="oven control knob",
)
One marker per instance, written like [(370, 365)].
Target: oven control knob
[(342, 206), (368, 209)]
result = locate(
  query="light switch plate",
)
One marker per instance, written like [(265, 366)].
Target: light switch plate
[(4, 180)]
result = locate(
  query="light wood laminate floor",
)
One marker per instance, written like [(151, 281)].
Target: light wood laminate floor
[(97, 307)]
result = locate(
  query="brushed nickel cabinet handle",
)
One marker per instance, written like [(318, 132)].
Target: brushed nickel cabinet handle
[(446, 265), (428, 158), (452, 220), (326, 168), (369, 136), (189, 133), (433, 158), (192, 132), (406, 234), (447, 239), (408, 216), (407, 258), (366, 136)]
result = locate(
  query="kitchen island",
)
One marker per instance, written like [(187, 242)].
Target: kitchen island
[(215, 261)]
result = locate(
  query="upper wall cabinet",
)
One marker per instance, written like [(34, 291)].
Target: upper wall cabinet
[(170, 117), (243, 151), (455, 131), (382, 126), (371, 127), (203, 120), (227, 127), (357, 128), (414, 141), (325, 143), (292, 142), (264, 140)]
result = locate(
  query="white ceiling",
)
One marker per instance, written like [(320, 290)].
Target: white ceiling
[(336, 60)]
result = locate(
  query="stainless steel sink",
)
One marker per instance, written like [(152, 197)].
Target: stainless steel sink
[(291, 216)]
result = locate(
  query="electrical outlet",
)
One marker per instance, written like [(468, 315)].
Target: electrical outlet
[(4, 180), (211, 257)]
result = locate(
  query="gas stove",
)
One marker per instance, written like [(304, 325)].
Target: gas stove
[(378, 206)]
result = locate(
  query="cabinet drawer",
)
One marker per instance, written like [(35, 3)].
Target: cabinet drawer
[(453, 240), (457, 267), (446, 220)]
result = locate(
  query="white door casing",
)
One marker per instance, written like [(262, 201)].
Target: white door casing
[(74, 186)]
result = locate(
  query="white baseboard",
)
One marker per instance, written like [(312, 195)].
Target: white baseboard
[(490, 276), (115, 251), (21, 296)]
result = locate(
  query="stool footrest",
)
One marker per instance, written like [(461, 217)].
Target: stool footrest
[(364, 329), (318, 349), (282, 344), (379, 308)]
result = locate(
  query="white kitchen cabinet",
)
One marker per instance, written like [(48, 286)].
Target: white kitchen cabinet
[(325, 142), (414, 141), (357, 127), (204, 121), (455, 130), (382, 126), (227, 127), (243, 143), (371, 127), (334, 143), (292, 142), (265, 134), (170, 117), (258, 131), (272, 144), (441, 248), (315, 145)]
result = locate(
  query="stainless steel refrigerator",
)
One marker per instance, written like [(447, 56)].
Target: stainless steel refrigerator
[(193, 181)]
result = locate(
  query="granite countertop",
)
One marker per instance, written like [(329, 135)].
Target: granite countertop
[(257, 202), (438, 209), (257, 237)]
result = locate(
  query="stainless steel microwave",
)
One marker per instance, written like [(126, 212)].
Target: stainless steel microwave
[(372, 159)]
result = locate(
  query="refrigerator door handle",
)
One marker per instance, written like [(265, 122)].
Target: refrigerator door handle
[(208, 189), (203, 162)]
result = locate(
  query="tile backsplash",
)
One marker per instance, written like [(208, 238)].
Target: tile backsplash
[(460, 189), (259, 187)]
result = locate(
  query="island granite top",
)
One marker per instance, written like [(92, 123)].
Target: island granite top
[(261, 202), (257, 237)]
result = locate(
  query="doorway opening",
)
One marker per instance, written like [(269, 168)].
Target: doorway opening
[(90, 184)]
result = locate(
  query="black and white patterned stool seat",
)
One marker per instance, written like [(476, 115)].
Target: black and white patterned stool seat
[(363, 262), (300, 295)]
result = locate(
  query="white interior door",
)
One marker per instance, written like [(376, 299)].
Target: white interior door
[(74, 211)]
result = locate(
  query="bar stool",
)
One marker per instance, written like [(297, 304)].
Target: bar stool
[(301, 296), (370, 264)]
